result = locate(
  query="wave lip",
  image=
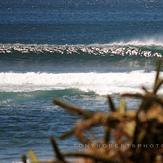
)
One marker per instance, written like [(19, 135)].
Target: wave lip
[(100, 83), (142, 42), (114, 49)]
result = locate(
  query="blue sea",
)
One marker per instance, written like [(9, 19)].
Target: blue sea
[(78, 51)]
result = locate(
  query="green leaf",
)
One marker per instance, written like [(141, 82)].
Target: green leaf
[(32, 156), (141, 135), (122, 107), (130, 128)]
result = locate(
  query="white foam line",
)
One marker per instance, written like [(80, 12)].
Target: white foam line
[(117, 48), (139, 42), (100, 83)]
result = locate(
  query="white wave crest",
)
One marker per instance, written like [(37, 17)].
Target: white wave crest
[(100, 83), (140, 42), (131, 48)]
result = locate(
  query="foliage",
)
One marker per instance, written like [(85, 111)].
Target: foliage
[(129, 136)]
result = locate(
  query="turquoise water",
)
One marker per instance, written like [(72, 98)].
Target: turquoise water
[(78, 51), (28, 119)]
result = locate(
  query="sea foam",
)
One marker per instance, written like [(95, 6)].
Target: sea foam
[(131, 48), (100, 83)]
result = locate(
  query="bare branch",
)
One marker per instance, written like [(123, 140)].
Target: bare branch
[(111, 104), (59, 155), (73, 109)]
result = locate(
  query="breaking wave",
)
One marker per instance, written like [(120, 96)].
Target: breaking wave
[(100, 83), (133, 48)]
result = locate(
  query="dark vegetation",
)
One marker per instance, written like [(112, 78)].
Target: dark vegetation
[(129, 136)]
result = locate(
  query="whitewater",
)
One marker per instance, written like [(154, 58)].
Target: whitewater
[(142, 48), (78, 51), (100, 83)]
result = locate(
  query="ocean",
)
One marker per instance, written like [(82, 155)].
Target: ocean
[(78, 51)]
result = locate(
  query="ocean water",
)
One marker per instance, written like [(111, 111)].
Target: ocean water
[(78, 51)]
